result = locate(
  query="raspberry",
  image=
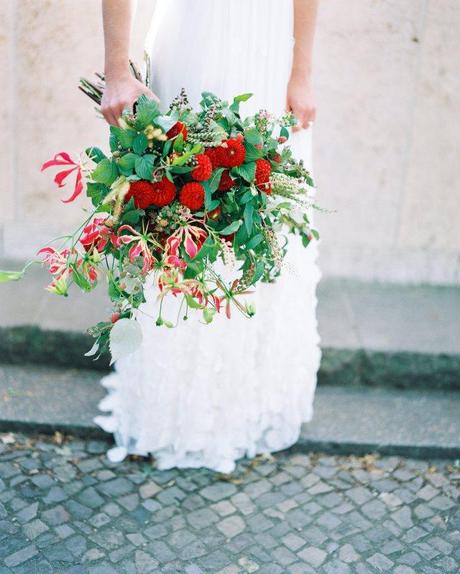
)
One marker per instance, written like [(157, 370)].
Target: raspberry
[(226, 181), (177, 128), (203, 170), (192, 195), (263, 171)]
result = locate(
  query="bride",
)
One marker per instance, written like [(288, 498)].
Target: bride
[(206, 395)]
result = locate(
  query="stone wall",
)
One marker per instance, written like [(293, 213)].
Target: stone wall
[(385, 140)]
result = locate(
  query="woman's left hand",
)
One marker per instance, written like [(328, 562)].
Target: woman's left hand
[(300, 101)]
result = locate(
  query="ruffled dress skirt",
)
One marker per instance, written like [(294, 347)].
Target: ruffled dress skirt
[(206, 395)]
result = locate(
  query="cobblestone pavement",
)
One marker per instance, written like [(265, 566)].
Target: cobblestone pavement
[(65, 508)]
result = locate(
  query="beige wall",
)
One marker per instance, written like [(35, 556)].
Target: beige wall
[(386, 139)]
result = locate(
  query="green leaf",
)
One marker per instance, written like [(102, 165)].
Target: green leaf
[(125, 137), (252, 153), (164, 122), (254, 241), (214, 181), (208, 314), (126, 162), (125, 338), (106, 172), (96, 192), (192, 303), (179, 143), (284, 132), (6, 276), (95, 154), (242, 97), (253, 136), (214, 203), (247, 196), (140, 143), (146, 111), (247, 171), (133, 216), (247, 215), (315, 233), (234, 226), (80, 279), (144, 166)]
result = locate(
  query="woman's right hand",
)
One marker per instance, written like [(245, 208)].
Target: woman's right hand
[(121, 93)]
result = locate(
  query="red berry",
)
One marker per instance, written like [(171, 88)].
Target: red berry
[(263, 171), (114, 318), (203, 169), (192, 195), (177, 128), (226, 181), (215, 213), (282, 139)]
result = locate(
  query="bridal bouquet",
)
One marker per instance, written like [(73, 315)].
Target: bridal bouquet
[(181, 196)]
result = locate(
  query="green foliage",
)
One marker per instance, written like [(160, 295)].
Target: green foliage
[(106, 172), (144, 166)]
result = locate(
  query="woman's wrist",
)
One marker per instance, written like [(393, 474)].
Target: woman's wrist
[(301, 75), (118, 71)]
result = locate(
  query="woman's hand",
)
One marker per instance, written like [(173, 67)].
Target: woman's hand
[(121, 93), (300, 102)]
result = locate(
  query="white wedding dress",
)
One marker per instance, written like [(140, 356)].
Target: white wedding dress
[(206, 395)]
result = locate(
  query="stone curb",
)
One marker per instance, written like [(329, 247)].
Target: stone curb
[(30, 344), (304, 445)]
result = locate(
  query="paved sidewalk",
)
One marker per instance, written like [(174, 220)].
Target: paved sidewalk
[(65, 508), (346, 420)]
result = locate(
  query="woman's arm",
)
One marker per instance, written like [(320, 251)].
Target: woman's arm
[(122, 89), (299, 93)]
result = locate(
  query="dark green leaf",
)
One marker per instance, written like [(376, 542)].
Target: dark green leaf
[(144, 166), (234, 226), (254, 241), (214, 180), (146, 111), (95, 154), (247, 171), (140, 143), (248, 213), (124, 136)]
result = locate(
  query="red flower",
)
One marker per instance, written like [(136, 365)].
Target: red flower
[(97, 235), (146, 193), (212, 154), (139, 247), (63, 158), (164, 192), (226, 181), (231, 153), (192, 196), (263, 171), (203, 169), (177, 128)]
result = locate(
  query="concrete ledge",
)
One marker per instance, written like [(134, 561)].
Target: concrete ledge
[(33, 345), (353, 420)]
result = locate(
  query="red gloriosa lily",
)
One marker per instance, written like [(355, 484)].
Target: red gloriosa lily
[(63, 159)]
